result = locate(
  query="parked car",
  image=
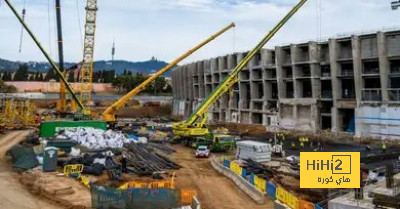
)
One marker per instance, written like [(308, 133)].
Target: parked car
[(202, 151)]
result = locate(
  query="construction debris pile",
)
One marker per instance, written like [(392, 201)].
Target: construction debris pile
[(97, 151), (94, 138)]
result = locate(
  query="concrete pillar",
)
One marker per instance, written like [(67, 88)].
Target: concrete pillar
[(315, 69), (214, 65), (384, 66), (279, 74), (232, 63), (294, 53), (315, 118), (336, 88), (240, 56), (357, 65), (335, 119), (266, 57), (221, 63)]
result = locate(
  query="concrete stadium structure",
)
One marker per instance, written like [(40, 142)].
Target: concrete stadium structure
[(347, 84)]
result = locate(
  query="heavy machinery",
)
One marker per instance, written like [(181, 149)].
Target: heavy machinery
[(109, 113), (52, 63), (195, 125)]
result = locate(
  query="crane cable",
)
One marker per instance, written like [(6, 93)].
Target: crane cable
[(22, 27), (79, 23), (49, 25)]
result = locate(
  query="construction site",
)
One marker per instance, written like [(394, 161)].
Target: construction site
[(229, 136)]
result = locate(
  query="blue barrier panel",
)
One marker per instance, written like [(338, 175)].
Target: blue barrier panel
[(251, 178), (318, 207), (227, 163), (244, 173), (271, 190)]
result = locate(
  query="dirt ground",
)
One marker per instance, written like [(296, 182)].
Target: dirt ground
[(214, 190), (12, 193)]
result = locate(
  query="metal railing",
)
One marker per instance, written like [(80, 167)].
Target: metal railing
[(394, 94), (347, 72), (395, 69), (289, 94), (288, 75), (307, 94), (325, 74), (371, 70), (306, 73), (346, 94), (326, 94), (371, 94), (304, 58)]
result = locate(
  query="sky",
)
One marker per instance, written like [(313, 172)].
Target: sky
[(166, 29)]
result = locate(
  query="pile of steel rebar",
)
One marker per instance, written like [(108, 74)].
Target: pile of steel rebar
[(143, 160)]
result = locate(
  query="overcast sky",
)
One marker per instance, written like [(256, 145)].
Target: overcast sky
[(167, 28)]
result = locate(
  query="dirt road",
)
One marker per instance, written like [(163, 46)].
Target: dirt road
[(215, 191), (12, 193)]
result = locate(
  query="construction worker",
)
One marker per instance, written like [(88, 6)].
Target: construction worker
[(383, 147), (293, 145), (302, 144)]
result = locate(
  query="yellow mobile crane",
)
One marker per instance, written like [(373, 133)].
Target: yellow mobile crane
[(109, 113), (52, 63), (195, 125)]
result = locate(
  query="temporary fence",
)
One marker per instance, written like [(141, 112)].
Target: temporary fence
[(143, 198), (270, 189), (149, 185)]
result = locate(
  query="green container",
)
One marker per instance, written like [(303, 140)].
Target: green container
[(50, 128)]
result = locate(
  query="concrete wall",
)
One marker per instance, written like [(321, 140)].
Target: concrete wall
[(309, 86), (54, 87), (378, 122)]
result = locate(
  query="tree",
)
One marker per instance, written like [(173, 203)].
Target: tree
[(37, 76), (50, 75), (40, 77), (71, 76), (4, 88), (22, 73), (7, 76)]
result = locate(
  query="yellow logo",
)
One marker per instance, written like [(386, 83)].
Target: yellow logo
[(329, 170)]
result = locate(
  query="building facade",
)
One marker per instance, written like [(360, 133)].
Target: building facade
[(347, 84)]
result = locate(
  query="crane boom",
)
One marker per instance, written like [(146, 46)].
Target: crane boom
[(52, 63), (109, 113), (186, 128), (88, 51)]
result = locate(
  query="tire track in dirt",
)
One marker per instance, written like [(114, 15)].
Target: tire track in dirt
[(215, 191), (13, 194)]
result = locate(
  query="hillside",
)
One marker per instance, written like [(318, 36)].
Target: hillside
[(119, 66)]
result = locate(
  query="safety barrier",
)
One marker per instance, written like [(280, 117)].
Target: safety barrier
[(305, 205), (151, 185), (187, 196), (143, 198), (271, 190), (268, 188), (238, 170), (73, 169), (242, 183)]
